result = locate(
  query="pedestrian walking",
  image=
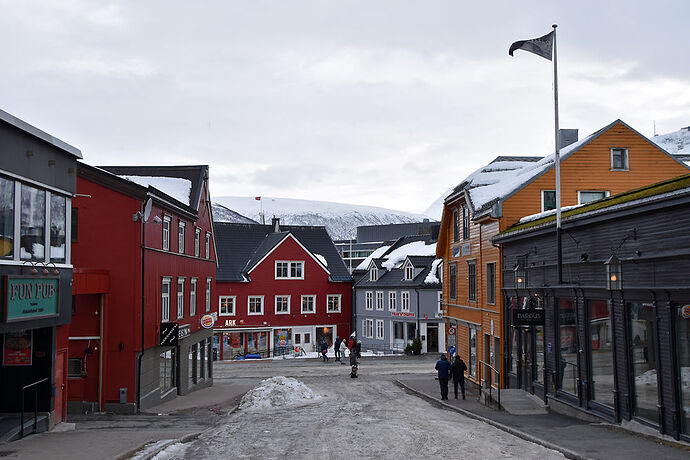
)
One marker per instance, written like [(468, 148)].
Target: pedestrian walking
[(443, 368), (353, 365), (324, 350), (358, 349), (458, 369), (343, 347), (336, 348)]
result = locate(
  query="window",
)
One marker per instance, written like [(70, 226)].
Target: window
[(409, 272), (166, 233), (568, 347), (472, 365), (398, 330), (32, 223), (74, 227), (369, 331), (226, 305), (180, 237), (180, 298), (456, 225), (589, 196), (465, 223), (452, 281), (379, 329), (75, 368), (7, 218), (379, 301), (439, 302), (197, 242), (255, 305), (167, 370), (58, 228), (601, 345), (333, 303), (208, 245), (392, 301), (165, 300), (373, 273), (208, 295), (491, 283), (405, 301), (192, 297), (369, 300), (619, 159), (289, 270), (548, 200), (282, 304), (471, 280), (645, 365), (308, 304)]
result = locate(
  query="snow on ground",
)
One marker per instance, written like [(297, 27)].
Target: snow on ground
[(277, 392), (416, 248), (176, 187)]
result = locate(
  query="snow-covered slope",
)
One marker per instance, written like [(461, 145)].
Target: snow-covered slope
[(675, 142), (341, 220), (223, 214)]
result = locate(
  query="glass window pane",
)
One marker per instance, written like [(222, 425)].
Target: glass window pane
[(549, 197), (601, 346), (683, 331), (33, 221), (58, 225), (588, 197), (6, 218), (473, 353), (567, 363), (643, 334)]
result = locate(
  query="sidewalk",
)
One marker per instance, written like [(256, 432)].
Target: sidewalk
[(572, 437)]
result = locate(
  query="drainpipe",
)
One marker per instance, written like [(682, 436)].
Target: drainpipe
[(141, 355), (418, 334)]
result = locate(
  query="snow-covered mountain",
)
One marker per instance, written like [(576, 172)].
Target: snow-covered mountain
[(223, 214), (341, 220)]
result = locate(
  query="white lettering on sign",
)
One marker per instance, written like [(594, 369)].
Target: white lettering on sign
[(409, 315), (184, 331), (230, 322)]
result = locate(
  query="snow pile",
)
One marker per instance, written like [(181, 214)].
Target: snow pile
[(675, 142), (378, 252), (277, 392), (416, 248), (176, 187), (648, 378), (322, 259), (431, 278)]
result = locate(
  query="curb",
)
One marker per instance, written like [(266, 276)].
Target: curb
[(515, 432)]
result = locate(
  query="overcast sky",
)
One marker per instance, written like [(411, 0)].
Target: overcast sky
[(385, 103)]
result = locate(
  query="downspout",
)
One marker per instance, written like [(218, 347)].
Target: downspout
[(100, 354), (141, 355), (418, 334)]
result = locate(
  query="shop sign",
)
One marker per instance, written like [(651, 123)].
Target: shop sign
[(230, 322), (31, 297), (184, 331), (207, 321), (169, 334), (16, 349), (405, 314), (685, 311), (530, 317)]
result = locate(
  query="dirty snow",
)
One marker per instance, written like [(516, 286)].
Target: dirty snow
[(176, 187), (431, 278), (416, 248), (277, 392)]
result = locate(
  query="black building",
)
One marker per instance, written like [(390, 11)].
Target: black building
[(615, 336)]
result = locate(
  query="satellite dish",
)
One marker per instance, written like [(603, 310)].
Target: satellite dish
[(147, 209)]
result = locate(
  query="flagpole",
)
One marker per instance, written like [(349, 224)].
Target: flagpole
[(557, 159)]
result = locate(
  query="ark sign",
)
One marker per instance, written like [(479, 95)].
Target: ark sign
[(31, 297)]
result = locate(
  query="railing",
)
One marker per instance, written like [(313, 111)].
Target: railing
[(482, 377), (24, 388), (384, 349)]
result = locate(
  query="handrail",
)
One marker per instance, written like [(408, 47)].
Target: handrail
[(24, 388), (483, 377)]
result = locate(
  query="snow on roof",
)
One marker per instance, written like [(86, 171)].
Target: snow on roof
[(550, 212), (675, 142), (378, 252), (416, 248), (322, 259), (176, 187), (431, 277)]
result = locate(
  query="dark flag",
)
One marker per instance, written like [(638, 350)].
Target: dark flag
[(542, 46)]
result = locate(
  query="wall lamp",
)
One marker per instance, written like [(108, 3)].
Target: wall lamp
[(614, 275)]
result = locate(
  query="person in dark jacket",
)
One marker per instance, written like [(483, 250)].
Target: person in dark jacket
[(458, 369), (443, 368), (324, 350), (336, 348), (353, 365)]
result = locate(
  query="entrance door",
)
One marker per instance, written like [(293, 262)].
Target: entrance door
[(527, 356), (432, 338), (60, 383), (486, 371)]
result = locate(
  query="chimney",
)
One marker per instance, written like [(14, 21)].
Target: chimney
[(275, 223), (566, 137)]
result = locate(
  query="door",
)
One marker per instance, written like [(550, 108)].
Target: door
[(486, 371), (432, 338), (527, 356), (60, 385)]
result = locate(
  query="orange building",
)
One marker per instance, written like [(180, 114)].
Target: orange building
[(612, 160)]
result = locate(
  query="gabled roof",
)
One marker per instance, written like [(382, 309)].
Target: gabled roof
[(242, 246), (396, 276)]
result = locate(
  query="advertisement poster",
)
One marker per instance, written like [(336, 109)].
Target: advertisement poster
[(282, 338), (16, 349)]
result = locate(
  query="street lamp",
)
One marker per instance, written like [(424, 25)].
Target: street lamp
[(614, 279)]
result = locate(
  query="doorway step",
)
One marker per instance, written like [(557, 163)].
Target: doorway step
[(10, 424), (519, 402)]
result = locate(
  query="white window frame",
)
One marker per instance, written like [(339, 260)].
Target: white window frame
[(580, 192), (231, 301), (392, 301), (369, 300), (439, 302), (275, 304), (370, 328), (180, 298), (192, 296), (181, 231), (626, 166), (409, 271), (374, 274), (197, 241), (208, 245), (379, 329), (166, 233), (208, 294), (305, 297), (338, 300), (165, 299), (405, 301), (542, 198), (379, 301), (261, 304), (290, 265)]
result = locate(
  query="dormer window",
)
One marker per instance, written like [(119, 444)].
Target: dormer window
[(373, 273), (409, 271), (619, 159)]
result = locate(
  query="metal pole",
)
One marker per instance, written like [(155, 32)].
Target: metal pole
[(35, 406), (21, 427), (557, 159)]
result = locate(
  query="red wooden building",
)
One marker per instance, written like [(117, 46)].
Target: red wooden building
[(278, 288), (144, 254)]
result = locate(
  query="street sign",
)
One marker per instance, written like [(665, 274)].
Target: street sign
[(451, 330), (169, 334), (451, 350), (528, 317)]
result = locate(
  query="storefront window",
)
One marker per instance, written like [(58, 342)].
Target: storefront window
[(643, 334), (191, 366), (411, 332), (6, 218), (201, 371), (398, 333), (473, 353), (167, 370), (567, 362), (601, 346), (683, 331), (539, 353), (58, 224), (513, 335), (32, 226)]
